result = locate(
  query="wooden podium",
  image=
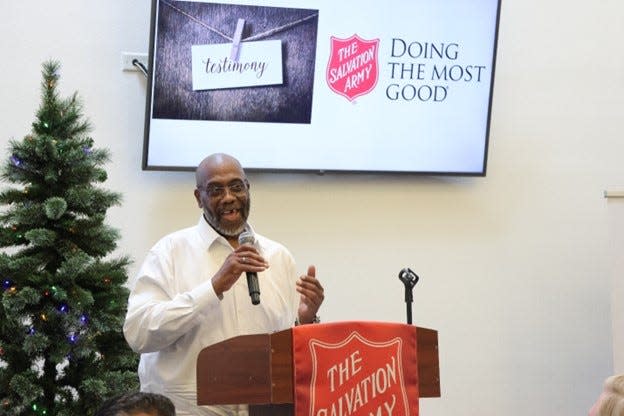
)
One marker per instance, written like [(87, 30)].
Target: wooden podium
[(258, 370)]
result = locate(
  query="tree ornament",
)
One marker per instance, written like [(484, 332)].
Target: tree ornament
[(6, 284), (12, 290), (63, 308), (16, 161), (39, 409)]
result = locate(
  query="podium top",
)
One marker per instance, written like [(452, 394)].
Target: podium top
[(258, 369)]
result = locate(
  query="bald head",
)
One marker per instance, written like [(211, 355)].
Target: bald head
[(215, 163)]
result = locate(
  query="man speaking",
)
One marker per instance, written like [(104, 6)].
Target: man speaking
[(189, 293)]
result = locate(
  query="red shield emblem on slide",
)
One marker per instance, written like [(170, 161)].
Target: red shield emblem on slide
[(353, 67), (357, 377)]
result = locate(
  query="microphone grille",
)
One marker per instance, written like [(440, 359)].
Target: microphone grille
[(246, 237)]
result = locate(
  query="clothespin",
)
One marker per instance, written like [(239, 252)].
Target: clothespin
[(238, 34)]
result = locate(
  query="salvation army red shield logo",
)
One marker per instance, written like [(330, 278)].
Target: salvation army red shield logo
[(369, 370), (353, 67)]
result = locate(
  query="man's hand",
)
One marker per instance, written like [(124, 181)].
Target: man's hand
[(311, 296), (244, 259)]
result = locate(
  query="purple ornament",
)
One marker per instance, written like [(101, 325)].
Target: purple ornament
[(16, 161), (6, 284), (87, 150)]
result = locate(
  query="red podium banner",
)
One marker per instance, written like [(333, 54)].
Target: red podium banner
[(355, 368)]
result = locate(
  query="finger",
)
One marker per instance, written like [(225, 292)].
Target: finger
[(250, 258), (310, 282), (312, 271), (246, 250), (311, 290)]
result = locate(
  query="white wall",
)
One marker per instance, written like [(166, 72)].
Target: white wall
[(616, 228), (515, 267)]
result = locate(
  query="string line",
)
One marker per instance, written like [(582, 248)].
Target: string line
[(262, 35)]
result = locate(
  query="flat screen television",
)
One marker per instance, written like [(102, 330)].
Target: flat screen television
[(345, 86)]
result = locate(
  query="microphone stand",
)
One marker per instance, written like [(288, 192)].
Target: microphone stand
[(409, 279)]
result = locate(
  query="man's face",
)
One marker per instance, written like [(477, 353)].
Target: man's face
[(224, 198)]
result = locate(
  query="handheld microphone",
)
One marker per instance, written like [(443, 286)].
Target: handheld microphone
[(247, 237)]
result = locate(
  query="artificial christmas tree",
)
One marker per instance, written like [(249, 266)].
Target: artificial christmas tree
[(62, 349)]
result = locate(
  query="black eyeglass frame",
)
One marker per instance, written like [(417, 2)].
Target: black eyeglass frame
[(235, 187)]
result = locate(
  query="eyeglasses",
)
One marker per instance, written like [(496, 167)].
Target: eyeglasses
[(236, 188)]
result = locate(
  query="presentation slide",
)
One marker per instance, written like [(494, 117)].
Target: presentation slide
[(357, 86)]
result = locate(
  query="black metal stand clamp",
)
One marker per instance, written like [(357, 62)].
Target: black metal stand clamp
[(409, 279)]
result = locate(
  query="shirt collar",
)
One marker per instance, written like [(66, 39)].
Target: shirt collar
[(210, 236)]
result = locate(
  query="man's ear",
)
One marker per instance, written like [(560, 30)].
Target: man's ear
[(196, 193)]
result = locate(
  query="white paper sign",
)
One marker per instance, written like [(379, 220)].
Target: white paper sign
[(259, 63)]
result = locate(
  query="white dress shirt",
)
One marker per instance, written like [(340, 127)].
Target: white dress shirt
[(174, 312)]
